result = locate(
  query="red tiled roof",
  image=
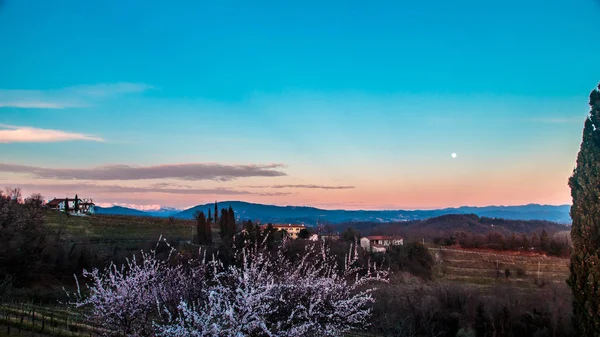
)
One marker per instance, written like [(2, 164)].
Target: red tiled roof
[(55, 202)]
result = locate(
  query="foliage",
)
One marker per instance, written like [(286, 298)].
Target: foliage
[(227, 225), (412, 257), (23, 238), (203, 230), (304, 233), (350, 235), (261, 294), (497, 241), (413, 308), (585, 232), (126, 298), (544, 241)]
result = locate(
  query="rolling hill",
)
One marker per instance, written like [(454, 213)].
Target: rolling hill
[(446, 225), (312, 216), (118, 210)]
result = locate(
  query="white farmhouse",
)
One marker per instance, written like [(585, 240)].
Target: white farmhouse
[(74, 206), (380, 243)]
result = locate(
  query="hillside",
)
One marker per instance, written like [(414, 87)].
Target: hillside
[(312, 216), (481, 267), (118, 210), (446, 225)]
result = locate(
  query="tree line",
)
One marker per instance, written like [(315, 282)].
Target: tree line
[(542, 243)]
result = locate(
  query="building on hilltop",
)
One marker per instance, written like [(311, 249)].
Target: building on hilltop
[(379, 243), (291, 230), (73, 206)]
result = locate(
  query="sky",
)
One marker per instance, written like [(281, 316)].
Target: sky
[(333, 104)]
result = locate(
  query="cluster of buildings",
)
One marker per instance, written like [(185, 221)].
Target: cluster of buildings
[(375, 243), (73, 206)]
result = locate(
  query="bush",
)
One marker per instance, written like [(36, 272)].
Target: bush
[(433, 309), (412, 257)]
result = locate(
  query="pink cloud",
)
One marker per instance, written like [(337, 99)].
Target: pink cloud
[(24, 134), (189, 171), (311, 186)]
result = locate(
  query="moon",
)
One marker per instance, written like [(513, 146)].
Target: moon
[(453, 155)]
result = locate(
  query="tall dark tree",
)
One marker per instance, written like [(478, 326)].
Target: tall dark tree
[(231, 221), (513, 241), (544, 241), (202, 237), (585, 230), (251, 234), (209, 219), (350, 235), (535, 240), (304, 233), (525, 242), (216, 212), (76, 205), (224, 225), (207, 233)]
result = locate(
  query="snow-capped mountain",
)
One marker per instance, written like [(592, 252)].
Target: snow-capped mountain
[(138, 210), (163, 211)]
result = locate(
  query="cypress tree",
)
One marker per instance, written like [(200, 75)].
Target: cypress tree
[(231, 221), (201, 235), (76, 206), (224, 225), (209, 219), (216, 213), (207, 233), (585, 230)]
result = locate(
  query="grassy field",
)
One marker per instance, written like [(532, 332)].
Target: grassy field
[(477, 267), (26, 319), (119, 228)]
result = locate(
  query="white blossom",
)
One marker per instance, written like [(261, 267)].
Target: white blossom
[(263, 294)]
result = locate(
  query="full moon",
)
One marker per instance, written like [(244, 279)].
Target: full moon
[(453, 155)]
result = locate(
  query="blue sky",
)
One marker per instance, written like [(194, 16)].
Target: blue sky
[(369, 96)]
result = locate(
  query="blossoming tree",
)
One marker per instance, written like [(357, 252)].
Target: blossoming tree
[(263, 294)]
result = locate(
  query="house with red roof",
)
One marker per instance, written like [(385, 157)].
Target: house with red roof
[(74, 206)]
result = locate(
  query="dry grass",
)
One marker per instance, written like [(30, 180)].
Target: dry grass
[(488, 268)]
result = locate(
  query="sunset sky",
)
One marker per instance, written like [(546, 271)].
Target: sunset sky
[(333, 104)]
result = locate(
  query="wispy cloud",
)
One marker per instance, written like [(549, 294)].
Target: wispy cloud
[(69, 97), (24, 134), (323, 187), (91, 189), (190, 171)]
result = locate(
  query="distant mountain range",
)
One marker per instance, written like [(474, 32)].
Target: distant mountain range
[(162, 212), (312, 215), (444, 226)]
